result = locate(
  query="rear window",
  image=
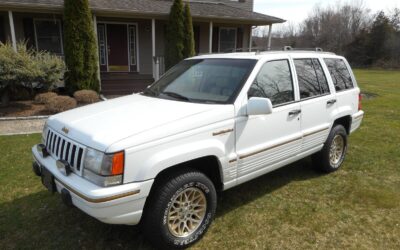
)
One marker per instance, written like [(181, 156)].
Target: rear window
[(340, 74), (311, 78)]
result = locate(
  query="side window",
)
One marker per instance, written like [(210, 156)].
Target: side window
[(274, 81), (340, 74), (312, 81), (321, 77)]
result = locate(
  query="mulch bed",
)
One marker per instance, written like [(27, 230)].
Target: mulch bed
[(23, 109), (30, 108)]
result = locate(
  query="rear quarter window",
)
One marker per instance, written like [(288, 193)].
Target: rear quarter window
[(340, 74)]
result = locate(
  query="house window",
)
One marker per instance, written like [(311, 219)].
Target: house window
[(101, 32), (132, 44), (48, 36), (227, 39)]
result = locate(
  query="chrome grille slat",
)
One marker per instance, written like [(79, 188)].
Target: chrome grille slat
[(51, 138), (62, 148), (79, 159), (47, 137), (53, 144), (68, 153), (58, 147), (72, 162)]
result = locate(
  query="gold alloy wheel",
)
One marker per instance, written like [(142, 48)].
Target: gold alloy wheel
[(336, 151), (186, 212)]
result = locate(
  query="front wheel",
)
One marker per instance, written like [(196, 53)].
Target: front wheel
[(332, 155), (180, 210)]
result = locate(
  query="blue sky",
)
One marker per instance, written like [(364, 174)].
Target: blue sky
[(296, 10)]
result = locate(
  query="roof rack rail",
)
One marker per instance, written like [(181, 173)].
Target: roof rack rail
[(259, 50), (317, 49)]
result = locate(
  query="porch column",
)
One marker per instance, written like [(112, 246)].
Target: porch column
[(12, 30), (269, 36), (250, 38), (156, 72), (210, 37), (97, 44)]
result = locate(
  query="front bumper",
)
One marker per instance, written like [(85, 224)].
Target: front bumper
[(121, 204)]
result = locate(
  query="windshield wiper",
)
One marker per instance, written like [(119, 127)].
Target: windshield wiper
[(175, 95), (149, 92)]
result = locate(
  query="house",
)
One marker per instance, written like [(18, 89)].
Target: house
[(130, 33)]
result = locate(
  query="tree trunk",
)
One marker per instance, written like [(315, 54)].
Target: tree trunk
[(5, 98)]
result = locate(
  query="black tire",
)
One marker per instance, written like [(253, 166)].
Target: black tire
[(322, 161), (155, 221)]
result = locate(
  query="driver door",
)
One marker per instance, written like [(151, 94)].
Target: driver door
[(264, 140)]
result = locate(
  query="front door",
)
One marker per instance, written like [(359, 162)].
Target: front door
[(265, 140), (117, 47)]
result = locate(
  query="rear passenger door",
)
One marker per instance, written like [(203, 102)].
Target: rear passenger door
[(346, 92), (317, 102)]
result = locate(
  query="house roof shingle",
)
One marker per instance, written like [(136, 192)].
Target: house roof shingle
[(161, 8)]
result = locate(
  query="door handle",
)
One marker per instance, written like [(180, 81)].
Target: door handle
[(294, 112), (330, 102)]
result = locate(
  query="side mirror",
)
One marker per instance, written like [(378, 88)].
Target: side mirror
[(259, 106)]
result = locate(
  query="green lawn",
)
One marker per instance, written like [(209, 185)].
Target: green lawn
[(357, 207)]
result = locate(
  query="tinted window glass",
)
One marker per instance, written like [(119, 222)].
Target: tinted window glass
[(340, 74), (274, 81), (321, 76), (307, 76), (203, 80)]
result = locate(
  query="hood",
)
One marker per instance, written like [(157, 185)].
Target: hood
[(102, 124)]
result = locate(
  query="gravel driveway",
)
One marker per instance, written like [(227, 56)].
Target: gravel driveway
[(21, 126)]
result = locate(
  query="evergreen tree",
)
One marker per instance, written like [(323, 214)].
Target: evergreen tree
[(189, 50), (80, 47), (175, 35), (380, 32)]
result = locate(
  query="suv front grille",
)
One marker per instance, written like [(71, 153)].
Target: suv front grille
[(62, 148)]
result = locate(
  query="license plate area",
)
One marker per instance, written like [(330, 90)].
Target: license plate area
[(48, 180)]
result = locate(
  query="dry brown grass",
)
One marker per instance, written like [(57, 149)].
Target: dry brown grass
[(60, 104), (86, 96), (44, 98)]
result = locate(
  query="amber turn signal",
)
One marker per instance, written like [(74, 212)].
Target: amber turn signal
[(117, 163)]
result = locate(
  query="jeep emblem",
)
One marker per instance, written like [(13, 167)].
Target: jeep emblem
[(65, 130)]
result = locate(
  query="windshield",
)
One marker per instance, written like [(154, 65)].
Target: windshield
[(203, 80)]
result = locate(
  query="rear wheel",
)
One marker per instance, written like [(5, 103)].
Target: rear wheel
[(180, 210), (332, 155)]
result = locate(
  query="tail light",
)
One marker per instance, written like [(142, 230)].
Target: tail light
[(359, 101)]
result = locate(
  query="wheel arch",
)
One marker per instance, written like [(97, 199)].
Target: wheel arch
[(345, 121), (208, 165)]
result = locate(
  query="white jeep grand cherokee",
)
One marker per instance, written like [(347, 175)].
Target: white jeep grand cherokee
[(210, 123)]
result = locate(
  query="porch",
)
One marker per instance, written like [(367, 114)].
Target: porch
[(130, 45)]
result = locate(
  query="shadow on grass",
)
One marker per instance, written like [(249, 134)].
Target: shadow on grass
[(254, 189), (40, 220)]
